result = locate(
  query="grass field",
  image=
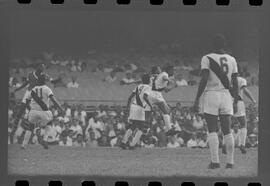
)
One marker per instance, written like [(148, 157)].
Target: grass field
[(116, 162)]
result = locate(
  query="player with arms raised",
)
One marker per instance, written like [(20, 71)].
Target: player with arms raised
[(163, 82), (217, 86), (139, 109), (40, 115)]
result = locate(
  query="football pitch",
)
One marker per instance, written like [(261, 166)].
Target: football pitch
[(101, 161)]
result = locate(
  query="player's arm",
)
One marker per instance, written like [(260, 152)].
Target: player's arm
[(235, 92), (22, 86), (130, 98), (202, 84), (55, 103), (201, 88), (166, 78), (171, 83), (145, 97), (248, 94)]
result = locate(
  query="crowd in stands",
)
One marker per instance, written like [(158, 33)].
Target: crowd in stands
[(105, 126), (68, 69)]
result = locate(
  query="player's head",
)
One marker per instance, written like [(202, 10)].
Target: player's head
[(145, 79), (219, 42), (169, 69), (40, 67), (41, 80), (155, 70)]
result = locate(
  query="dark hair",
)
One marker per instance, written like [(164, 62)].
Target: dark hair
[(155, 70), (145, 79), (219, 41), (168, 68), (41, 79)]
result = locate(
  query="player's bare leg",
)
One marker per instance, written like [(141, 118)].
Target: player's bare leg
[(124, 142), (28, 127), (213, 141), (225, 121), (165, 109), (18, 117), (243, 133), (26, 138), (44, 142), (135, 140)]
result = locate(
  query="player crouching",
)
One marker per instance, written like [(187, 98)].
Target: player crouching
[(139, 113), (40, 115)]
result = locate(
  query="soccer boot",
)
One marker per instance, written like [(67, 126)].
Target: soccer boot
[(44, 144), (123, 145), (229, 166), (243, 149), (214, 165)]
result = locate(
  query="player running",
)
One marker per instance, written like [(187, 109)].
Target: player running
[(31, 83), (139, 113), (241, 110), (163, 82), (217, 86), (40, 115)]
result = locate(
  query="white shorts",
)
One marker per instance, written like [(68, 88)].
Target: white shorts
[(217, 103), (241, 109), (136, 112), (26, 95), (156, 97), (40, 118)]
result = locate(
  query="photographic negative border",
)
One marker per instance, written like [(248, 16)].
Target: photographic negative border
[(262, 14)]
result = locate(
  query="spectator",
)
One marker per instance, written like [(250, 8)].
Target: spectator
[(54, 133), (96, 126), (111, 78), (252, 141), (59, 81), (14, 83), (101, 111), (75, 129), (202, 141), (73, 83), (236, 135), (173, 142), (127, 80), (78, 142), (198, 122), (192, 143), (180, 81), (191, 81)]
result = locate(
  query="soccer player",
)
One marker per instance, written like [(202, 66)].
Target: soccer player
[(163, 82), (217, 86), (241, 110), (40, 115), (31, 83), (139, 113)]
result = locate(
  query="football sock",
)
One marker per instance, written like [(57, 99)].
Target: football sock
[(26, 138), (46, 135), (167, 121), (243, 135), (127, 135), (213, 146), (136, 138), (229, 141)]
